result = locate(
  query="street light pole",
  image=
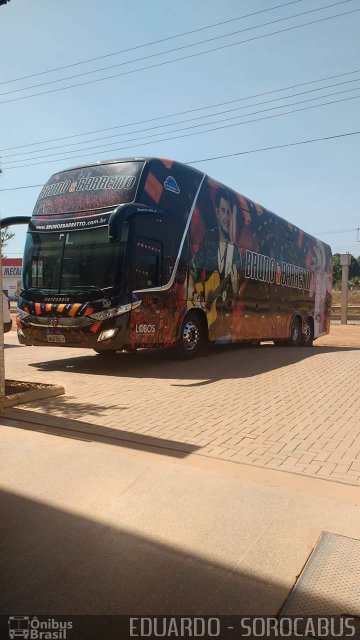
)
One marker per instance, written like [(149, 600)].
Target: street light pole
[(345, 259)]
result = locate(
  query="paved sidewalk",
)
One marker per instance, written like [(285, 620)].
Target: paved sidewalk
[(90, 528), (296, 410)]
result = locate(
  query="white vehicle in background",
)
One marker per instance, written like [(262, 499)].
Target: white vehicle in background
[(6, 314)]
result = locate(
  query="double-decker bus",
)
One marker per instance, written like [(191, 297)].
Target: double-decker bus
[(147, 252)]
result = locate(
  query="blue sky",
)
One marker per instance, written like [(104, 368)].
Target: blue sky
[(314, 186)]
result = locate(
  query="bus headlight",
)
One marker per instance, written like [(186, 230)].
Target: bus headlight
[(107, 334), (115, 311), (111, 313)]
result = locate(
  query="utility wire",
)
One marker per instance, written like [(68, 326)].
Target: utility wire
[(329, 233), (28, 186), (187, 57), (183, 135), (231, 155), (149, 44), (171, 124), (279, 146), (176, 49), (180, 113)]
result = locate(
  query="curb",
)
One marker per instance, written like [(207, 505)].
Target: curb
[(29, 396)]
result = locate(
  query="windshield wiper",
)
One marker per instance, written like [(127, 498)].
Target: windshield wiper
[(92, 287), (107, 292), (39, 290)]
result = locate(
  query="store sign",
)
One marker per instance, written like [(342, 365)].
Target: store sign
[(11, 267)]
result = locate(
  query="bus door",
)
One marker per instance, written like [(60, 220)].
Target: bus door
[(146, 286)]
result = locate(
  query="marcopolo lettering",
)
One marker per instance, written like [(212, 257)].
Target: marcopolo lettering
[(263, 268)]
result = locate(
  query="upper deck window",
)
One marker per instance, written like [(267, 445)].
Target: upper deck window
[(89, 189)]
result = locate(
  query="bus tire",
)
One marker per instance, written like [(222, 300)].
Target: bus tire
[(295, 333), (307, 335), (192, 340)]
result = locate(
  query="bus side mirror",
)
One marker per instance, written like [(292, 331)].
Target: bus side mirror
[(123, 214), (116, 220), (12, 220)]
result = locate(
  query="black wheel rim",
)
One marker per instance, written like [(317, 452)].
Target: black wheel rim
[(307, 332), (190, 335)]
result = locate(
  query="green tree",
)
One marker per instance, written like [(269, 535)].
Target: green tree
[(336, 267), (354, 269), (6, 236)]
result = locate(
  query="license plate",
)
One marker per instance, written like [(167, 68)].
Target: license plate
[(58, 338)]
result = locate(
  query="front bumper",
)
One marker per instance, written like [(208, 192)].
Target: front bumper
[(81, 332)]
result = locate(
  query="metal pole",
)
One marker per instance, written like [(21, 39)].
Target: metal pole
[(345, 259)]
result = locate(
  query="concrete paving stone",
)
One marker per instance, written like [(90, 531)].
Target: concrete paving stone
[(274, 462), (297, 468), (352, 473), (342, 468), (290, 447), (274, 438), (327, 468), (313, 467), (290, 462), (270, 406), (322, 456), (306, 457)]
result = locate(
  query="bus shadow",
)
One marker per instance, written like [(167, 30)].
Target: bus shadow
[(222, 362)]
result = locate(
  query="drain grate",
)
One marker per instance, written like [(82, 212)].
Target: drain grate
[(330, 581)]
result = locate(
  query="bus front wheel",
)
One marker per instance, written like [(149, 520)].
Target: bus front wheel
[(192, 337)]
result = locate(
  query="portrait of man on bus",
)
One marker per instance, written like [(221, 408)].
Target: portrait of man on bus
[(215, 269)]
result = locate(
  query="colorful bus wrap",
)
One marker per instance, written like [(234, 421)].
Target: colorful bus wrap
[(144, 252)]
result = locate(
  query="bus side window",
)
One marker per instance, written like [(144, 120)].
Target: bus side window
[(148, 264)]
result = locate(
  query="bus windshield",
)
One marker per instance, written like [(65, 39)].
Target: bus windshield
[(66, 263)]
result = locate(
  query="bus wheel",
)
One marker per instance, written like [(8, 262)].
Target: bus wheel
[(307, 336), (295, 335), (191, 341)]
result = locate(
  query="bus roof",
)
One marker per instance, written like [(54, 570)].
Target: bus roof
[(118, 160), (149, 159)]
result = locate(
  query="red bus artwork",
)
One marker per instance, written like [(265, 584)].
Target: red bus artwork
[(147, 252)]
